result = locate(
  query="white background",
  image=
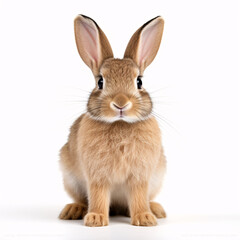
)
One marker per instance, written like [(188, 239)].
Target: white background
[(44, 88)]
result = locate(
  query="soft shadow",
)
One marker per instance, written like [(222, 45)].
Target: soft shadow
[(119, 219), (51, 213)]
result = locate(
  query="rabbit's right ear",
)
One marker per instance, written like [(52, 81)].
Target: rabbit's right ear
[(92, 44)]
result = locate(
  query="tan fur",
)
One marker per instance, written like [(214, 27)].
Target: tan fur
[(132, 47), (119, 76), (157, 210), (105, 50), (73, 211), (117, 165)]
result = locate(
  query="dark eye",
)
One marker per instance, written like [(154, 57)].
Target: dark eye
[(139, 83), (100, 83)]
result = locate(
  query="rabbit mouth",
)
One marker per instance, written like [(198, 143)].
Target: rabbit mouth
[(120, 116), (120, 113), (120, 110)]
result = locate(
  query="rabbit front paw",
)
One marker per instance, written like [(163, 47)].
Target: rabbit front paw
[(144, 219), (95, 220)]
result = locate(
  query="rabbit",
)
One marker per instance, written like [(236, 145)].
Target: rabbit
[(113, 161)]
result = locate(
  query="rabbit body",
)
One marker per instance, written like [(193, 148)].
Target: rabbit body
[(114, 156)]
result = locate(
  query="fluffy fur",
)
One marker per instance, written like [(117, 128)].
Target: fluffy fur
[(114, 157)]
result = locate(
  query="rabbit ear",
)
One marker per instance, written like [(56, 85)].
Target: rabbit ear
[(145, 42), (92, 44)]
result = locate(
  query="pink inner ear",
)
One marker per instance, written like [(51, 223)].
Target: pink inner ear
[(90, 41), (146, 45)]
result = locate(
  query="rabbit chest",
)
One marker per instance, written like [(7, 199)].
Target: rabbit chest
[(118, 150)]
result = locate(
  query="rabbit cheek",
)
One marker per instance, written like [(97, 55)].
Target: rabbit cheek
[(145, 104), (94, 105)]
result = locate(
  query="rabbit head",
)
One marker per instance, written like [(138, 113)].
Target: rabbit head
[(119, 93)]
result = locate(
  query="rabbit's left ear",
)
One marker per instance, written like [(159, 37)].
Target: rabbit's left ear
[(144, 44)]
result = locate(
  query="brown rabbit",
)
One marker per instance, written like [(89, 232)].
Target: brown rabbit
[(114, 159)]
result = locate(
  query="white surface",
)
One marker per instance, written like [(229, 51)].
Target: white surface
[(196, 70), (42, 223)]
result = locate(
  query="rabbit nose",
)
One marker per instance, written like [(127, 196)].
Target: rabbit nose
[(120, 108), (120, 102)]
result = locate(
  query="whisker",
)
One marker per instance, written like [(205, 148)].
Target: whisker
[(83, 90), (158, 90), (166, 121)]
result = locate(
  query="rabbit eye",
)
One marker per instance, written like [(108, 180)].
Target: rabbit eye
[(139, 82), (100, 83)]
